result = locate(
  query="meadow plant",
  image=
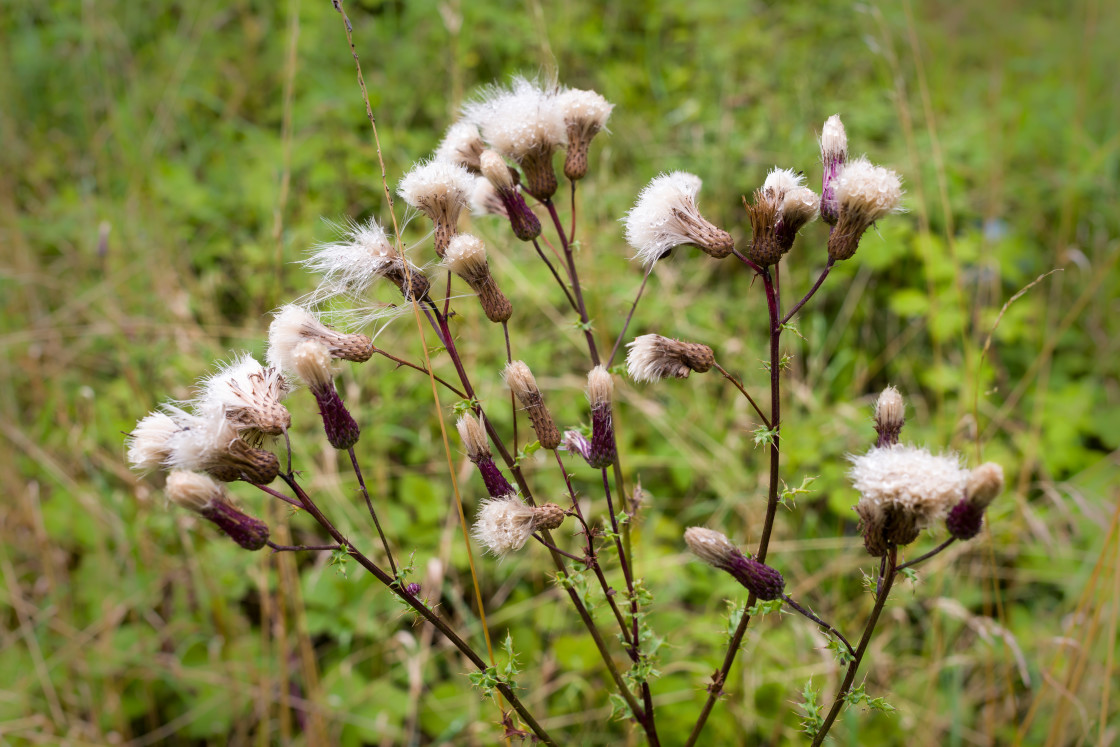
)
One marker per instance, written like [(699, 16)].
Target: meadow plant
[(500, 158)]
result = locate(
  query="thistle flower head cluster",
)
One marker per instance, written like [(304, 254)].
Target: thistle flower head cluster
[(294, 324), (903, 490), (206, 441), (666, 216), (864, 193), (653, 357), (440, 190), (585, 114), (251, 395), (716, 550), (360, 258), (524, 386), (201, 494), (466, 257), (506, 523), (524, 124), (462, 145)]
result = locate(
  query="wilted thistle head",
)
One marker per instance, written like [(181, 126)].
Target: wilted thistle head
[(360, 258), (864, 194), (504, 524), (834, 154), (585, 114), (294, 324), (525, 224), (524, 124), (251, 394), (462, 145), (473, 432), (782, 206), (201, 494), (666, 216), (903, 489), (206, 441), (717, 551), (524, 386), (984, 484), (653, 357), (466, 257), (485, 199), (314, 365), (890, 416), (440, 190)]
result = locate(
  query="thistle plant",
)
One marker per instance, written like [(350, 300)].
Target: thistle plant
[(500, 157)]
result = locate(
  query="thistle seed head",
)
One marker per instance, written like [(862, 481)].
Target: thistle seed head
[(521, 382), (653, 357), (440, 190), (462, 145), (585, 114), (834, 154), (890, 416), (473, 433), (294, 324), (251, 394), (505, 524), (864, 194), (202, 495), (363, 256), (666, 216)]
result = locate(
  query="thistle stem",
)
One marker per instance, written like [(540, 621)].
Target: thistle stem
[(574, 277), (739, 385), (797, 306), (806, 613), (295, 548), (629, 316), (372, 512), (928, 555)]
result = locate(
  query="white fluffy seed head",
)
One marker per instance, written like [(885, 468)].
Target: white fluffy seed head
[(783, 180), (890, 410), (194, 491), (312, 362), (461, 145), (665, 216), (866, 192), (351, 265), (485, 199), (600, 387), (907, 480), (473, 433), (503, 524), (800, 205), (439, 189), (520, 380), (203, 439), (710, 546), (586, 110), (149, 443), (494, 168), (251, 395), (293, 324), (653, 357), (466, 256), (519, 121), (834, 141)]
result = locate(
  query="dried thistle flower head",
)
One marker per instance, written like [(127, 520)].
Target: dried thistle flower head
[(149, 443), (653, 357), (313, 364), (600, 390), (525, 224), (362, 256), (462, 145), (524, 124), (505, 524), (834, 154), (890, 416), (666, 216), (782, 206), (864, 194), (585, 114), (524, 386), (294, 324), (473, 433), (440, 190), (485, 199), (201, 494), (903, 489), (984, 484), (251, 394), (466, 257), (765, 214), (717, 551), (207, 441)]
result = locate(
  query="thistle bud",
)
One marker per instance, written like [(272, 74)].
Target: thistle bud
[(201, 494), (834, 154), (890, 416), (653, 357), (466, 257), (717, 551), (600, 389), (521, 382), (473, 433), (524, 222), (984, 484), (504, 524)]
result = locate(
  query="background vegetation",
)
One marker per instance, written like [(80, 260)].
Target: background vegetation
[(162, 165)]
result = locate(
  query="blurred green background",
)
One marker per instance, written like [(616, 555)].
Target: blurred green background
[(162, 165)]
